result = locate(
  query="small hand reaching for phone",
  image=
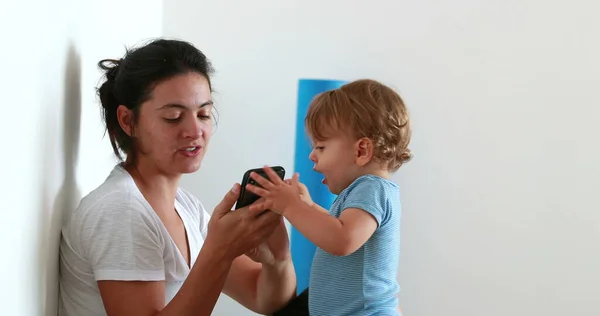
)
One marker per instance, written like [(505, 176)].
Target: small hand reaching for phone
[(278, 194), (302, 190)]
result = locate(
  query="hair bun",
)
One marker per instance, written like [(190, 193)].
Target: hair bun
[(110, 67)]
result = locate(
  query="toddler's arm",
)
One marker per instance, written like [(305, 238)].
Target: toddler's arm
[(337, 236)]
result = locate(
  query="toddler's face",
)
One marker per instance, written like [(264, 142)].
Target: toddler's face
[(335, 158)]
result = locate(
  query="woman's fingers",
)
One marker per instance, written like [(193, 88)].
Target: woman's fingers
[(268, 221), (256, 209), (260, 211), (258, 219), (225, 206)]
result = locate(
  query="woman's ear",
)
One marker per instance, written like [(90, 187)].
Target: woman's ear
[(364, 151), (124, 116)]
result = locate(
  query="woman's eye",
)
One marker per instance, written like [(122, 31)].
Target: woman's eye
[(177, 117), (205, 114), (172, 116), (172, 120)]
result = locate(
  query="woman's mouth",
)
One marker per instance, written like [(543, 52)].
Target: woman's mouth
[(191, 151)]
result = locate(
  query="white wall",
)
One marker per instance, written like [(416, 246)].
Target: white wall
[(52, 146), (499, 212), (500, 215)]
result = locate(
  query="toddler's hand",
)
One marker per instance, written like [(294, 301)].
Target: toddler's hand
[(302, 189), (278, 194)]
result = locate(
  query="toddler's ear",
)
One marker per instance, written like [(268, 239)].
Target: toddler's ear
[(364, 151)]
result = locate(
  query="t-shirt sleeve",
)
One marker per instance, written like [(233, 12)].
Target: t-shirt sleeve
[(369, 195), (122, 242)]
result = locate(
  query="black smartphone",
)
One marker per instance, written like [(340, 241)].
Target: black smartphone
[(246, 197)]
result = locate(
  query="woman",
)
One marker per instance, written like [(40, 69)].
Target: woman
[(139, 244)]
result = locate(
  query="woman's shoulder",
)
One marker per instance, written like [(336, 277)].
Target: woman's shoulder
[(114, 206), (115, 200), (117, 189)]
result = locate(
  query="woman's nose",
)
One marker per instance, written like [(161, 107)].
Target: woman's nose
[(193, 129)]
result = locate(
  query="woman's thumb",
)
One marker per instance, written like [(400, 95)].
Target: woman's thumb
[(228, 201)]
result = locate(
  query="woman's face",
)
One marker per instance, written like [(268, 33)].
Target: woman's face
[(175, 125)]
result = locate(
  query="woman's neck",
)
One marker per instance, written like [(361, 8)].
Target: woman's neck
[(157, 187)]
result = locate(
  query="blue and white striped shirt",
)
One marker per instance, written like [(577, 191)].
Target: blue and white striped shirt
[(364, 282)]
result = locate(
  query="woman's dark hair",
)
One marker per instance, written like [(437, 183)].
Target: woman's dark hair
[(131, 79)]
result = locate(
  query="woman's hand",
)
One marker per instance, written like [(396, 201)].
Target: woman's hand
[(237, 232), (276, 249)]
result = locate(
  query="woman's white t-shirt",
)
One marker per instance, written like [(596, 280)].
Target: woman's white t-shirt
[(115, 234)]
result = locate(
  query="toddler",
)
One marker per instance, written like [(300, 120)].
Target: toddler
[(360, 134)]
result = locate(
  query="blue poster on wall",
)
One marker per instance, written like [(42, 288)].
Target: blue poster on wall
[(302, 249)]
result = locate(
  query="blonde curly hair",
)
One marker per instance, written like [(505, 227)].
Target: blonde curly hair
[(364, 108)]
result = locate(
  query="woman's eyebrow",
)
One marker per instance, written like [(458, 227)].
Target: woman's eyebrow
[(180, 106)]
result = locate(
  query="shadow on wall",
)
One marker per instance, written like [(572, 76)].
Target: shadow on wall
[(68, 196)]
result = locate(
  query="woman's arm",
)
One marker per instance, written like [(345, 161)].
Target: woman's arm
[(264, 279), (197, 296), (262, 288), (230, 234)]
